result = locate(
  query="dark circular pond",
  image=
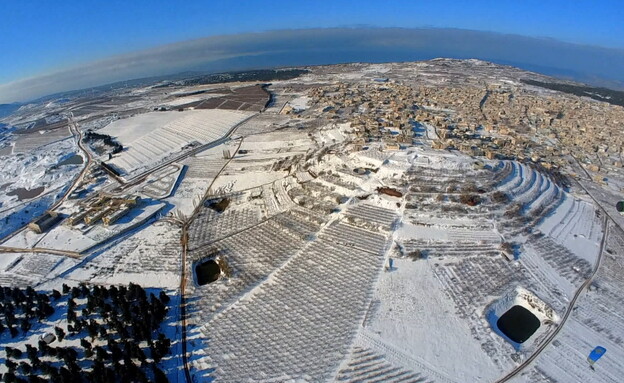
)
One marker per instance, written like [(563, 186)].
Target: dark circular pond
[(207, 272), (518, 324)]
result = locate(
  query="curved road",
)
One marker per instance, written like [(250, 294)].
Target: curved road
[(184, 242), (184, 237), (141, 177), (73, 128), (606, 219), (565, 317)]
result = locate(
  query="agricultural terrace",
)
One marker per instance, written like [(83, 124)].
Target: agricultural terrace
[(329, 239), (150, 138), (470, 231)]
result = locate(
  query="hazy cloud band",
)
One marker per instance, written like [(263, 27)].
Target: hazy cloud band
[(327, 46)]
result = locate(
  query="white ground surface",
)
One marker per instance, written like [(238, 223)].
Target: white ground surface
[(575, 226), (149, 257), (34, 169), (412, 311), (596, 321), (300, 103), (309, 299), (62, 237), (151, 137)]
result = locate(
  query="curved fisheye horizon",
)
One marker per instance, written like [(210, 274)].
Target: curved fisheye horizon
[(117, 38), (314, 46)]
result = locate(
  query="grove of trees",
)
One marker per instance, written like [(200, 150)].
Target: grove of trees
[(118, 329)]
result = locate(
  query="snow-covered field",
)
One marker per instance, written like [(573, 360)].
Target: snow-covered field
[(410, 309), (65, 238), (149, 257), (424, 318), (364, 265), (596, 320), (36, 169), (150, 137)]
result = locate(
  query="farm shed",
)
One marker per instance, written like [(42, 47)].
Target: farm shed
[(45, 222)]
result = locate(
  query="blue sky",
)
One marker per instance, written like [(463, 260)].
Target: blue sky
[(39, 36), (52, 46)]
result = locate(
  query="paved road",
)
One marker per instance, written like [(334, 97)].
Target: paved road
[(86, 153), (565, 317), (596, 201), (141, 177), (89, 159), (184, 238)]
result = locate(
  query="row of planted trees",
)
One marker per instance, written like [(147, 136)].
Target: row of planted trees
[(114, 333)]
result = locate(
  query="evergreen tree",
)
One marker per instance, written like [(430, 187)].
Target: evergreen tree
[(84, 290), (113, 291), (92, 327), (85, 343), (159, 375), (30, 292), (100, 354), (48, 310), (60, 334), (69, 356), (9, 377), (34, 378), (10, 365), (43, 298), (104, 293), (15, 353), (56, 295), (164, 297), (65, 375), (116, 354), (25, 368), (43, 347), (9, 351), (31, 352), (164, 343), (48, 369), (75, 292), (123, 316), (25, 325)]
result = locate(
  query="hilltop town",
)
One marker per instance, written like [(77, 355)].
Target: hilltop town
[(492, 118), (439, 221)]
